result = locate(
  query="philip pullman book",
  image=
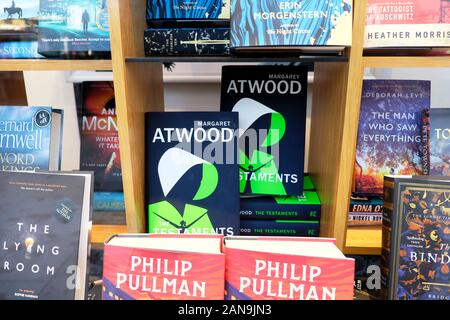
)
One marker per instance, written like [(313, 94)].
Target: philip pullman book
[(407, 23), (271, 103), (74, 28), (191, 172), (164, 267), (44, 231), (291, 24), (439, 142), (100, 150), (30, 138), (416, 238), (276, 268), (390, 131)]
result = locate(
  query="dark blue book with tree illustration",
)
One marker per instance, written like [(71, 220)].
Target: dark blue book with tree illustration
[(187, 9), (439, 143), (271, 102), (390, 132), (192, 172), (74, 28)]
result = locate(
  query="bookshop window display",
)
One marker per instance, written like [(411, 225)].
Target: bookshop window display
[(114, 189)]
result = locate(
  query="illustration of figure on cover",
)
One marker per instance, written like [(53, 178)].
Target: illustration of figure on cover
[(259, 152), (179, 173), (12, 10)]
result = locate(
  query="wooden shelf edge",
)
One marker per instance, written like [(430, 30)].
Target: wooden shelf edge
[(54, 65), (407, 62), (363, 241), (101, 233)]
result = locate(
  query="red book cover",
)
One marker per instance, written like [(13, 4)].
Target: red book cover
[(131, 273), (256, 275)]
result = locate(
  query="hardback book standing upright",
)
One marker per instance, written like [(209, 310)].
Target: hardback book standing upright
[(407, 23), (271, 103), (438, 143), (416, 238), (45, 220), (276, 268), (192, 172), (30, 138), (390, 131), (100, 150), (166, 267), (322, 25)]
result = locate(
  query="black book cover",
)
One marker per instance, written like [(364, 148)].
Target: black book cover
[(191, 172), (43, 235), (271, 102)]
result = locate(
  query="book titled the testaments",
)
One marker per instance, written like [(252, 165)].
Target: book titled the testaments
[(192, 172), (407, 23)]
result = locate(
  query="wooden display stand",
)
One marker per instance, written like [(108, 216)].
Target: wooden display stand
[(334, 121)]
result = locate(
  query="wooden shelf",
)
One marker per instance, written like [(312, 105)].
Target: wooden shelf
[(234, 59), (363, 240), (56, 65), (100, 233), (407, 62)]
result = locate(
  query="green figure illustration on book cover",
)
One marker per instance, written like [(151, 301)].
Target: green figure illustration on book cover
[(163, 215)]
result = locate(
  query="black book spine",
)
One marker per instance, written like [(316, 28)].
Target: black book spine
[(389, 234)]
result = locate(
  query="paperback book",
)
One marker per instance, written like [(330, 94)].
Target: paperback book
[(19, 50), (109, 201), (100, 149), (274, 268), (416, 239), (407, 23), (438, 143), (191, 172), (271, 103), (18, 17), (75, 28), (367, 277), (390, 132), (285, 228), (365, 211), (30, 138), (187, 41), (45, 220), (291, 25), (164, 267), (304, 207)]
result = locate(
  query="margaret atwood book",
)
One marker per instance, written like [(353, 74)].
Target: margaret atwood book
[(30, 138), (271, 103), (407, 23), (166, 267), (416, 238), (322, 25), (45, 220), (261, 268), (192, 172), (390, 132)]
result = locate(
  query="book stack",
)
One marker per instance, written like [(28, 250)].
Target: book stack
[(187, 27)]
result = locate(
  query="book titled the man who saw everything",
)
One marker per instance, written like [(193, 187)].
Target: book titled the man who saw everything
[(407, 23), (271, 103), (76, 28), (282, 25), (30, 138), (416, 238), (44, 235), (192, 173), (390, 132)]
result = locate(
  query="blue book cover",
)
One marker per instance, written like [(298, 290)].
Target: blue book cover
[(304, 207), (291, 23), (109, 201), (25, 138), (390, 131), (192, 172), (271, 102), (280, 228), (19, 50), (188, 9), (439, 142), (75, 26)]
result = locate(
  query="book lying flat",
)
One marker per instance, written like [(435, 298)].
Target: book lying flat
[(259, 268), (149, 267)]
